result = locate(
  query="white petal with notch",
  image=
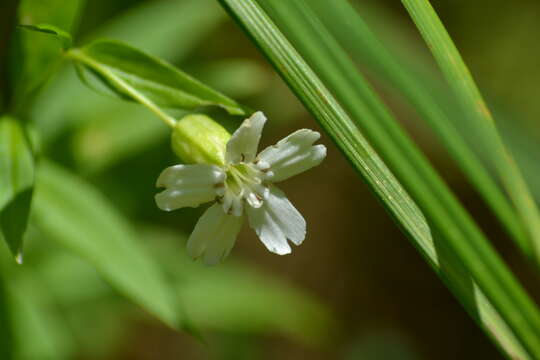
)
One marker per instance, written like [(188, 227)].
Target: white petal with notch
[(292, 155), (276, 221), (188, 185), (243, 144), (214, 235)]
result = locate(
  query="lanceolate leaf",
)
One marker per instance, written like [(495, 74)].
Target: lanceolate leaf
[(16, 183), (136, 76), (78, 217), (152, 27)]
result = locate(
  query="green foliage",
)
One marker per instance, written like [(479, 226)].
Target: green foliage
[(31, 305), (467, 93), (61, 291), (241, 296), (97, 147), (16, 182), (460, 252), (133, 75), (81, 219), (152, 27), (354, 34), (333, 118)]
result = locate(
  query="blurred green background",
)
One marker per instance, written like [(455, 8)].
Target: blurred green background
[(334, 297)]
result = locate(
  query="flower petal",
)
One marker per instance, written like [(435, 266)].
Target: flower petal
[(242, 147), (178, 176), (188, 185), (291, 155), (276, 221), (214, 235)]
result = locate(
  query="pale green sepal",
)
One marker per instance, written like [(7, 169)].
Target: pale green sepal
[(199, 139)]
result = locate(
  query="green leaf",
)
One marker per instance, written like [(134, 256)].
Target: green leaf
[(458, 251), (350, 29), (151, 26), (63, 36), (241, 295), (136, 76), (34, 319), (241, 299), (78, 217), (16, 183), (96, 144), (32, 312), (458, 76)]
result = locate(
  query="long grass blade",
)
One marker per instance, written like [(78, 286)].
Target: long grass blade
[(350, 29), (460, 254), (334, 119), (468, 94)]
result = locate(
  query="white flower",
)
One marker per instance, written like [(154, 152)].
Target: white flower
[(243, 183)]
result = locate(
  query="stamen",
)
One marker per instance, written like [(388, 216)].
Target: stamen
[(243, 183)]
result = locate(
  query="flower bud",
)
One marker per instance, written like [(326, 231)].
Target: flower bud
[(199, 139)]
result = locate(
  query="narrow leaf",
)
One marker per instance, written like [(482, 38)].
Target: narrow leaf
[(460, 79), (350, 29), (16, 183), (459, 252), (150, 26), (97, 145), (63, 36), (78, 217), (136, 76)]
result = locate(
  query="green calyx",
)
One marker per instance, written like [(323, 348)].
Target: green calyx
[(199, 139)]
